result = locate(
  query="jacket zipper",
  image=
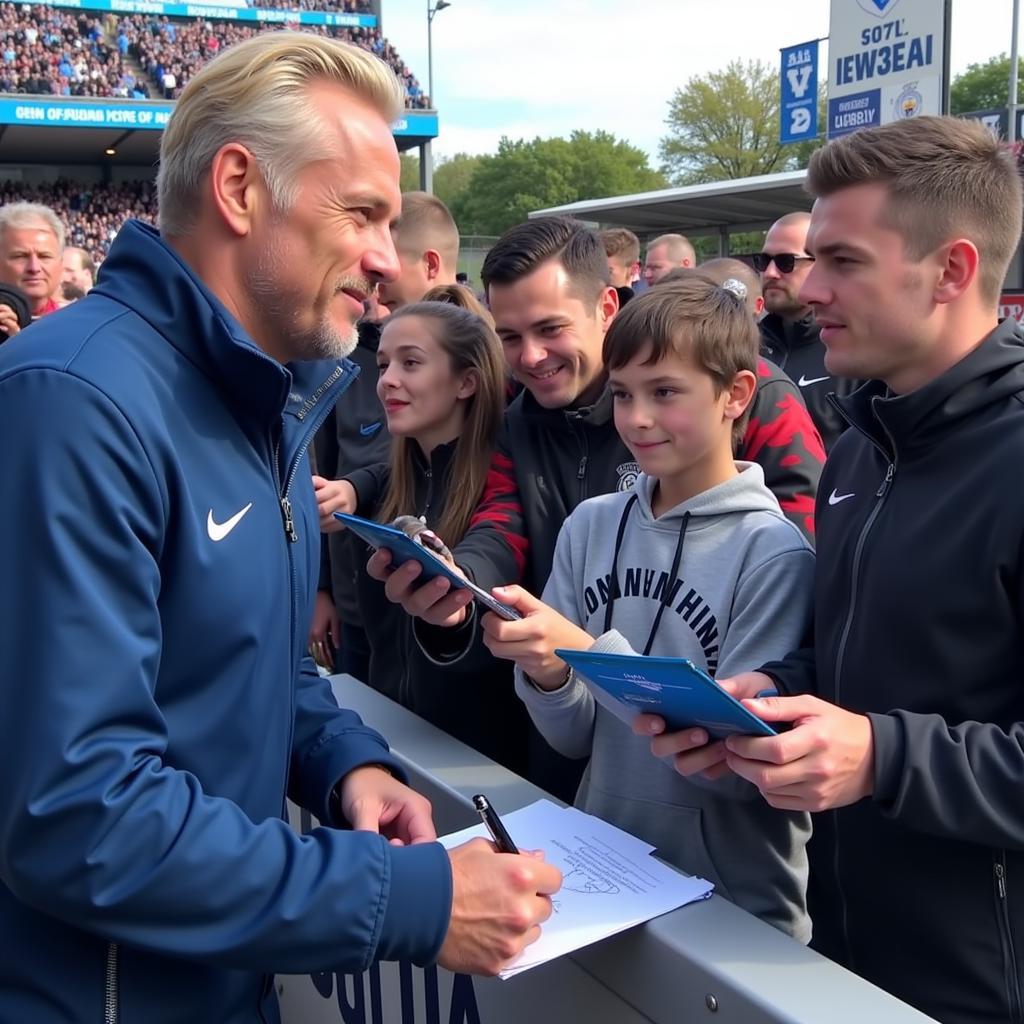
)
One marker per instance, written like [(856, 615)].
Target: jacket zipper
[(581, 468), (844, 637), (293, 536), (110, 1014), (1013, 993)]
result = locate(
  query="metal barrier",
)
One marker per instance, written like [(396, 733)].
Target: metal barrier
[(708, 962)]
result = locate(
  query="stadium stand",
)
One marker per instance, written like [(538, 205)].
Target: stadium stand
[(343, 6), (54, 52), (171, 50), (92, 213), (49, 51)]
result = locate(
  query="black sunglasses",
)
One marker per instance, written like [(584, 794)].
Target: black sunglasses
[(784, 261)]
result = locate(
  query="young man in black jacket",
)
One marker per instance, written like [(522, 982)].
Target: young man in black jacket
[(789, 333), (908, 712)]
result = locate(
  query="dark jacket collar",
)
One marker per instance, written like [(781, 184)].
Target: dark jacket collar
[(791, 333), (596, 415), (989, 374), (143, 273)]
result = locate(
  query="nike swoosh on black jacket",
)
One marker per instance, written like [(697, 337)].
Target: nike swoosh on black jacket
[(919, 611)]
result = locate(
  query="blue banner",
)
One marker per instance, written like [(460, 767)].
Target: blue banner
[(798, 109), (859, 110), (48, 111), (58, 110), (219, 13)]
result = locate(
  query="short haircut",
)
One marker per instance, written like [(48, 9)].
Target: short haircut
[(694, 319), (31, 215), (425, 223), (677, 247), (621, 242), (85, 261), (946, 178), (256, 93), (522, 249), (735, 276)]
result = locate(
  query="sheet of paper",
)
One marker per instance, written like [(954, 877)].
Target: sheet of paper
[(611, 881)]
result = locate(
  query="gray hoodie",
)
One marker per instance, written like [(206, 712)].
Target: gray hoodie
[(741, 596)]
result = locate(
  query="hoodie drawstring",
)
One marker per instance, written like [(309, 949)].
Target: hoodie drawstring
[(614, 590)]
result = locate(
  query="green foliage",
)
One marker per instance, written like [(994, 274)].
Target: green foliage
[(725, 125), (983, 86), (452, 176), (409, 176), (530, 175)]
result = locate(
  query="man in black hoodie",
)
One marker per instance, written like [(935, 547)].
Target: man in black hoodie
[(789, 333), (908, 712)]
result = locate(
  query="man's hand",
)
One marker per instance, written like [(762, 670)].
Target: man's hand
[(435, 601), (498, 903), (826, 760), (324, 631), (690, 750), (333, 496), (531, 641), (8, 321), (374, 801)]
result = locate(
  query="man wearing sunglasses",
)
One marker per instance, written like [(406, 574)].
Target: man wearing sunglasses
[(789, 333)]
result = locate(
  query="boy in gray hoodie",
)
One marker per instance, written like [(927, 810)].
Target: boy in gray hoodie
[(696, 561)]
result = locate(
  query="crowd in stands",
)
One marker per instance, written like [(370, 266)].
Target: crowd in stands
[(60, 53), (171, 51), (91, 213), (339, 6), (47, 51)]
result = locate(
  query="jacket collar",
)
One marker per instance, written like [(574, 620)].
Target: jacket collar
[(143, 273), (921, 418), (791, 334), (595, 415)]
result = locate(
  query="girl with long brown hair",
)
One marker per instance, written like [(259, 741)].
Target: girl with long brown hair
[(442, 385)]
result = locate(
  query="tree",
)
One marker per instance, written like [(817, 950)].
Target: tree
[(982, 86), (453, 175), (524, 176), (725, 125), (409, 177)]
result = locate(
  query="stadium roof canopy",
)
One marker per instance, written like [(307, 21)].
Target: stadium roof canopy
[(746, 204)]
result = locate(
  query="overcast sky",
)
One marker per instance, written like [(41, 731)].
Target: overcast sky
[(525, 68)]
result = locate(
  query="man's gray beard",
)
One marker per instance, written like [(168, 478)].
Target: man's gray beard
[(324, 341)]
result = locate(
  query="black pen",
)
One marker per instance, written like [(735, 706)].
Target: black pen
[(499, 833)]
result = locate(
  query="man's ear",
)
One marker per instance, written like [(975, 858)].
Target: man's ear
[(432, 262), (959, 264), (236, 187), (607, 307)]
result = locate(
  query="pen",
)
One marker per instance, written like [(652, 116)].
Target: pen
[(499, 834)]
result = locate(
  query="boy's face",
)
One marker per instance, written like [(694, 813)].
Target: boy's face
[(669, 417), (551, 338)]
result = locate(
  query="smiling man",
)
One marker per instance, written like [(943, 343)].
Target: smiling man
[(789, 333), (166, 522), (908, 713)]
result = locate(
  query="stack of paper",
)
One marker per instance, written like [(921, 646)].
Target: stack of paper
[(611, 881)]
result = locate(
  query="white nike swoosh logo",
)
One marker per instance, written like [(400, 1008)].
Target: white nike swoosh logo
[(218, 531), (834, 499), (803, 382)]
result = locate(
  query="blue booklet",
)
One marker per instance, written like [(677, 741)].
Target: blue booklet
[(671, 687), (403, 547)]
